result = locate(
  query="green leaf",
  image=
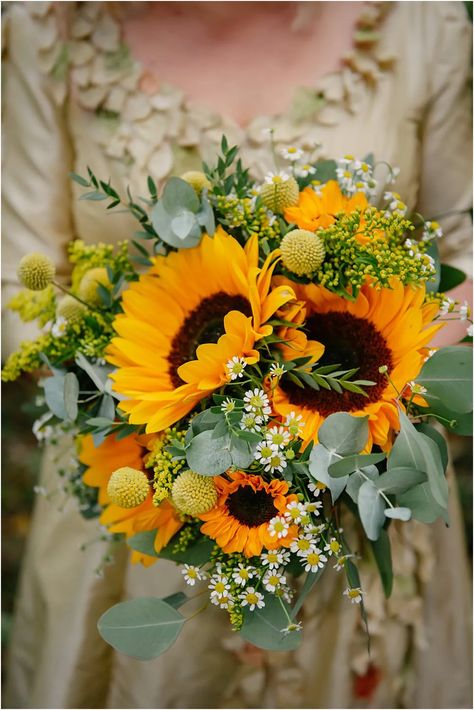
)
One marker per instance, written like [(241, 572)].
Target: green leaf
[(71, 394), (54, 395), (448, 375), (80, 180), (209, 456), (450, 277), (414, 450), (162, 224), (178, 194), (398, 513), (141, 628), (176, 600), (196, 554), (319, 461), (344, 434), (242, 452), (310, 581), (460, 424), (357, 479), (439, 440), (350, 463), (263, 627), (107, 407), (95, 196), (422, 504), (383, 558), (98, 375), (400, 479), (371, 509)]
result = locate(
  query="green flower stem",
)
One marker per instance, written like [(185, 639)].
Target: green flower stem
[(84, 303)]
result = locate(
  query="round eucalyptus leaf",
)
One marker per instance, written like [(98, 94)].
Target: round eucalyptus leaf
[(448, 375), (209, 456), (178, 194), (182, 224), (344, 434), (398, 513), (371, 509), (319, 461), (141, 628)]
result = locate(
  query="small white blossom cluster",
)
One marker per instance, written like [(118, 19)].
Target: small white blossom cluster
[(355, 176), (395, 204), (42, 431), (57, 328), (431, 230)]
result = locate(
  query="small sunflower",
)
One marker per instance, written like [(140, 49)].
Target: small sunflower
[(185, 320), (246, 504), (386, 326), (101, 462), (315, 211)]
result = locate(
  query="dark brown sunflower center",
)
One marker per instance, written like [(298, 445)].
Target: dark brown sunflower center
[(252, 508), (205, 324), (350, 342)]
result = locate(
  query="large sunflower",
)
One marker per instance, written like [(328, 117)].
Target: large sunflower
[(184, 320), (101, 462), (386, 326), (315, 211), (239, 520)]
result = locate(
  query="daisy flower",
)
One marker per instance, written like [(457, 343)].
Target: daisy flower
[(275, 558), (333, 546), (265, 451), (219, 585), (235, 367), (291, 153), (192, 574), (273, 579), (243, 574), (278, 527), (256, 401), (295, 511), (277, 462), (294, 422), (354, 594), (292, 626), (316, 488), (278, 436), (314, 560), (302, 545), (228, 405), (250, 422), (252, 599), (277, 370)]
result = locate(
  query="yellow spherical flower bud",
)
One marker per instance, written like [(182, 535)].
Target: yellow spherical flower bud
[(89, 283), (128, 487), (70, 309), (302, 252), (36, 271), (197, 180), (279, 192), (193, 494)]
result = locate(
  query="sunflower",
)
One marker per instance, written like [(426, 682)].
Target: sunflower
[(246, 504), (385, 326), (315, 211), (185, 320), (101, 462)]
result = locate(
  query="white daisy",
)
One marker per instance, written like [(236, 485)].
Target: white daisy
[(277, 370), (314, 560), (447, 305), (277, 462), (294, 423), (294, 511), (333, 546), (250, 422), (257, 401), (303, 171), (354, 594), (275, 558), (59, 327), (228, 405), (226, 601), (235, 367), (278, 436), (276, 178), (292, 626), (219, 585), (316, 488), (243, 574), (273, 579), (291, 153), (464, 311), (278, 527), (265, 451), (192, 574), (252, 599), (301, 546)]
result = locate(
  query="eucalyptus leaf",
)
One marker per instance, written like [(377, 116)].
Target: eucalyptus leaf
[(209, 456), (242, 452), (179, 194), (98, 375), (141, 628), (439, 440), (355, 461), (176, 600), (344, 434), (357, 479), (71, 394), (450, 277), (310, 581), (400, 479), (263, 627), (461, 423), (371, 509), (383, 558), (162, 224), (54, 395), (205, 216), (448, 375), (422, 504), (319, 461), (183, 223), (398, 513), (107, 407)]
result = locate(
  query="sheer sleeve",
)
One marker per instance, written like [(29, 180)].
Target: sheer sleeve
[(37, 153), (446, 160)]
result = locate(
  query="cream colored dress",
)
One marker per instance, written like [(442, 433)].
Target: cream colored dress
[(73, 96)]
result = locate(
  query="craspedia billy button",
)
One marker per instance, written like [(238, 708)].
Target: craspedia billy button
[(36, 271), (128, 487), (88, 288), (302, 252), (279, 192), (70, 309), (193, 494), (197, 180)]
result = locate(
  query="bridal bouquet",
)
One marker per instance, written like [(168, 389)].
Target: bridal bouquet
[(250, 369)]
